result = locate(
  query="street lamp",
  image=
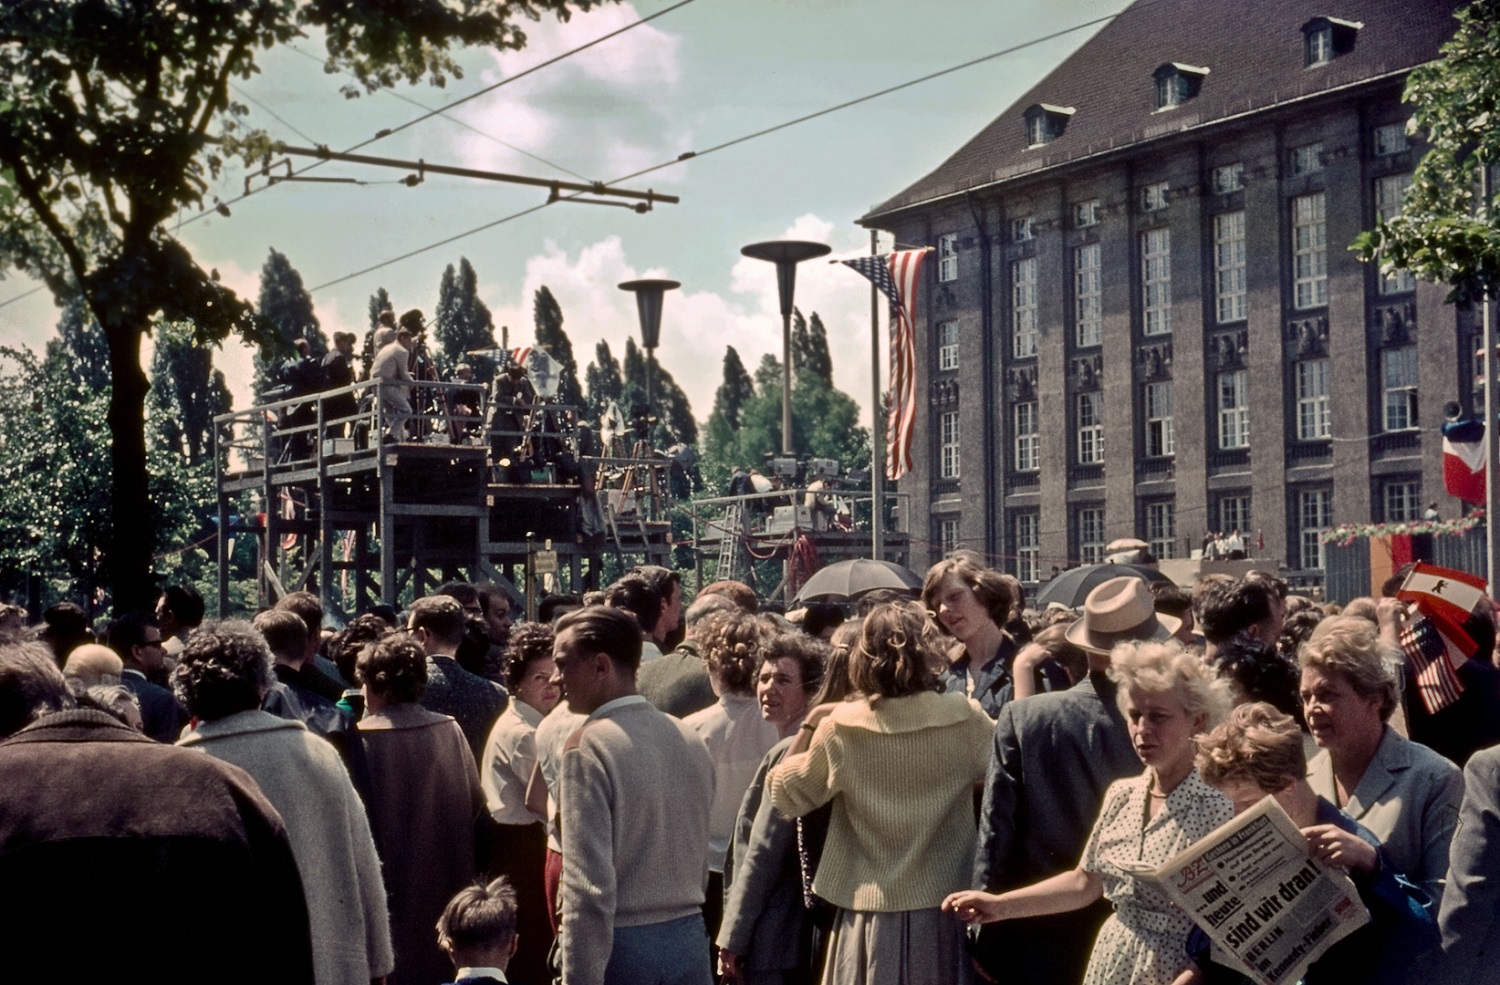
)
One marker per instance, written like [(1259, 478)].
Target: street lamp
[(648, 294), (786, 254)]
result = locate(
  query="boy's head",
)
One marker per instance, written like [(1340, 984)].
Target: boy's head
[(478, 926)]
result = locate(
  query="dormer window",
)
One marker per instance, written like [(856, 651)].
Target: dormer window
[(1177, 83), (1045, 123), (1325, 38)]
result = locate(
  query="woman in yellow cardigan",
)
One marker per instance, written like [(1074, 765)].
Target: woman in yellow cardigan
[(899, 763)]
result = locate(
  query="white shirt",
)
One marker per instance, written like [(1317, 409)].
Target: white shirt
[(506, 764), (494, 973), (738, 738)]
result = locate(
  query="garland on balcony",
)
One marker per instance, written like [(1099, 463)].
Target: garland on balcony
[(1350, 532)]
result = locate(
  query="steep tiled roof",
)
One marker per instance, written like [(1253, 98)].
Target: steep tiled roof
[(1253, 51)]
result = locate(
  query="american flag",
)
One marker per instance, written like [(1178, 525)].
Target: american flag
[(1432, 657), (519, 355), (895, 274)]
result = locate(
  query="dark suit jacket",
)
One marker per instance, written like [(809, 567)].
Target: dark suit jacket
[(89, 799), (1054, 756), (473, 701), (162, 715), (765, 921), (1470, 912), (1469, 724)]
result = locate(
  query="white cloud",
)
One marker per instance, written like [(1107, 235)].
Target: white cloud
[(698, 325)]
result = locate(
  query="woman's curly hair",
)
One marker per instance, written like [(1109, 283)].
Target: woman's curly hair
[(528, 643), (892, 658), (733, 645), (393, 667), (344, 647), (225, 668)]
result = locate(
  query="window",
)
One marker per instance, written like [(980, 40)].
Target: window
[(948, 534), (1161, 528), (947, 333), (1154, 197), (1023, 307), (948, 445), (1177, 83), (1309, 252), (1091, 534), (1090, 428), (1045, 123), (1228, 178), (1307, 159), (1314, 518), (1086, 214), (1398, 373), (1159, 420), (1156, 281), (1389, 192), (1313, 420), (1234, 409), (1390, 139), (1234, 513), (1088, 295), (1022, 230), (1229, 265), (1402, 500), (1028, 437), (1318, 46), (948, 257), (1028, 547)]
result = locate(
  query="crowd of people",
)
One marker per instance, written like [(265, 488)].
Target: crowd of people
[(947, 788)]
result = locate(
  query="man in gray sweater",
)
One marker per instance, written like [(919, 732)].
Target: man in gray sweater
[(635, 791)]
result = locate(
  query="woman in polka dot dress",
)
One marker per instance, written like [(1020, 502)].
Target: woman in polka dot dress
[(1168, 697)]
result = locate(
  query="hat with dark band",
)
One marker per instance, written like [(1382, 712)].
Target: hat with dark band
[(1120, 610)]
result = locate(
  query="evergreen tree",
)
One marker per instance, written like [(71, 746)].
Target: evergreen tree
[(551, 337), (85, 340), (463, 323), (800, 354), (187, 393), (735, 390), (286, 311), (604, 379), (669, 403), (819, 359), (379, 301)]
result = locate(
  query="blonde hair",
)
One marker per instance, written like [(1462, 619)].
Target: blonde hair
[(1255, 743), (892, 658), (1163, 668), (733, 645), (1350, 647)]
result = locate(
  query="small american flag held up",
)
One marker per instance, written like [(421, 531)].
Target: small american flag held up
[(895, 274), (1432, 662)]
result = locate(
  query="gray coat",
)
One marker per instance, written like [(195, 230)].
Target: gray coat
[(1054, 756), (765, 921), (1408, 798), (1470, 914)]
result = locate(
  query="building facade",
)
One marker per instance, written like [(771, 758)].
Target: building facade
[(1141, 317)]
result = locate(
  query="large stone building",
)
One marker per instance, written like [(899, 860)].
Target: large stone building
[(1141, 317)]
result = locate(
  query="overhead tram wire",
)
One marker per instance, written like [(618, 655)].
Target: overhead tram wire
[(440, 111), (694, 155)]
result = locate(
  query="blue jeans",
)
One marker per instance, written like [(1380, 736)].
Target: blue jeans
[(670, 953)]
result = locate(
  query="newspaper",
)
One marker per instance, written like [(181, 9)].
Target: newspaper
[(1270, 909)]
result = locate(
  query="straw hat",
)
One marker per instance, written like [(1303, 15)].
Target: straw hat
[(1120, 610)]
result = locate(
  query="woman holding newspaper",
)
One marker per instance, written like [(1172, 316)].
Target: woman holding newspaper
[(1257, 753), (1168, 697)]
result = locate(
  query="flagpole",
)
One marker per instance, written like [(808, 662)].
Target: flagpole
[(877, 432), (1491, 432)]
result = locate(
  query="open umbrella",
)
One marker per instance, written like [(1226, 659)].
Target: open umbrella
[(1073, 586), (851, 579)]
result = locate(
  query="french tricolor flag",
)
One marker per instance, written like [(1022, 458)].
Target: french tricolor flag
[(1463, 460)]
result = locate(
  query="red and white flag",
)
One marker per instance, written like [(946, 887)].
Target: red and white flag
[(895, 274), (1463, 460), (1440, 639)]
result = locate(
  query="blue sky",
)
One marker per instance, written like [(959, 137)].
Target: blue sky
[(696, 77)]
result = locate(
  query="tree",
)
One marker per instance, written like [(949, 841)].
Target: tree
[(463, 323), (187, 393), (736, 389), (1444, 232), (286, 311), (84, 339), (117, 117), (604, 380), (551, 337), (819, 360), (673, 412)]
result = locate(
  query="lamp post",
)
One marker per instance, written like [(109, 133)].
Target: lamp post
[(786, 254), (648, 294)]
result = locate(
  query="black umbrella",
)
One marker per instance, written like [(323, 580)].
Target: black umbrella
[(844, 580), (1073, 586)]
